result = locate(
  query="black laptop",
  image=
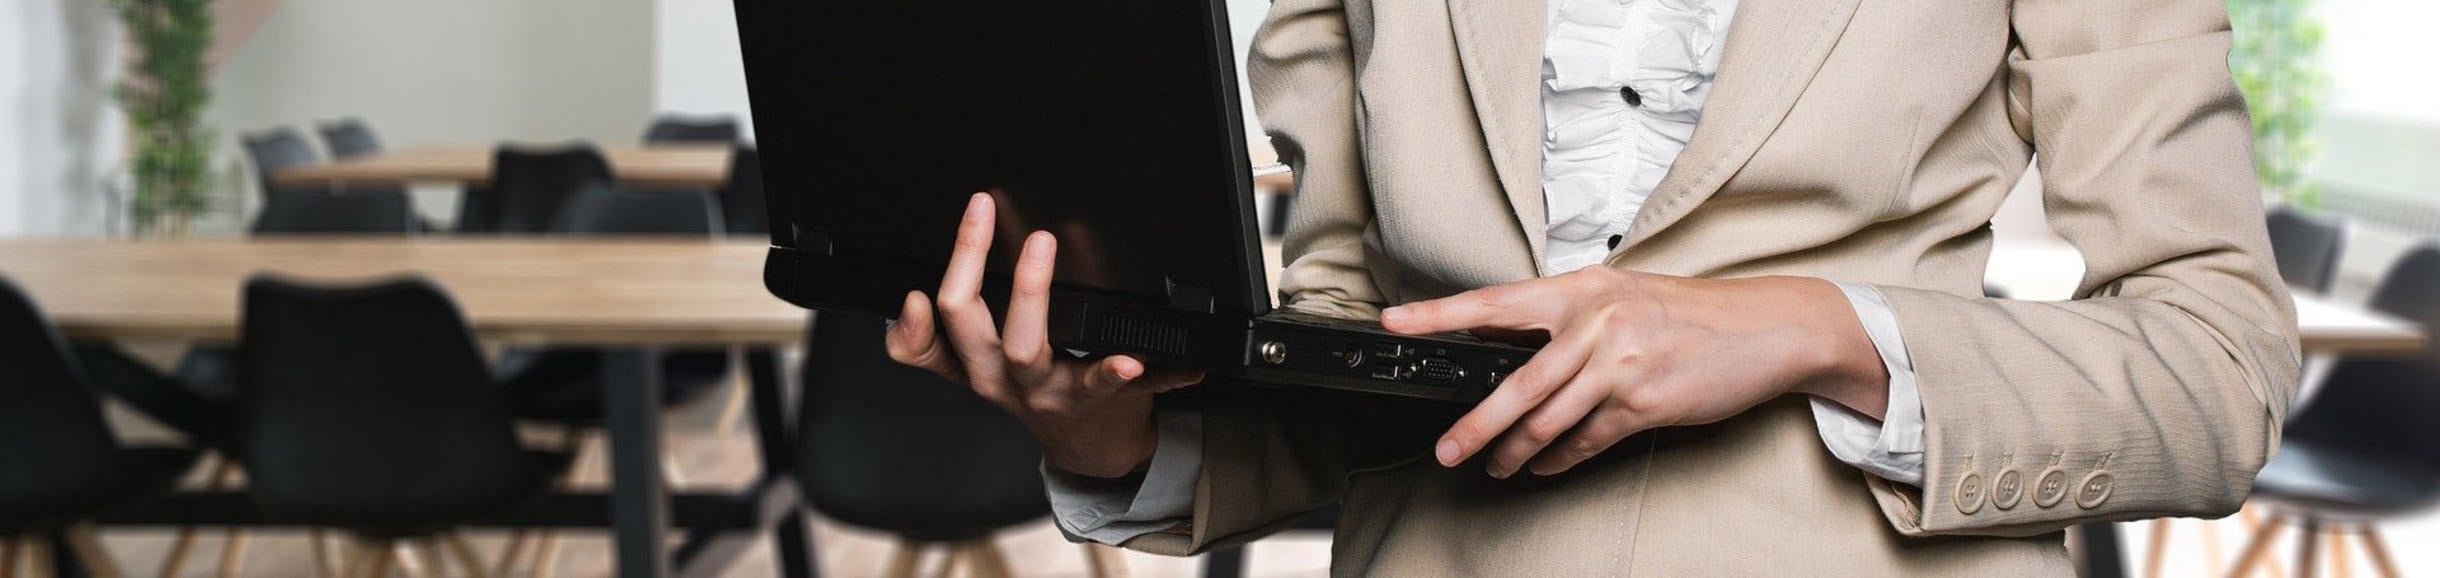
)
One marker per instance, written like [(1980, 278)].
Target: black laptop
[(1114, 124)]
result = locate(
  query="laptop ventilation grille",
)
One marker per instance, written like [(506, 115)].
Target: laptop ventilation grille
[(1135, 332)]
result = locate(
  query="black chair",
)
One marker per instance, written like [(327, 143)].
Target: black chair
[(2364, 447), (2306, 247), (529, 185), (565, 384), (271, 151), (369, 409), (59, 461), (352, 212), (210, 371), (743, 209), (900, 450), (349, 138), (674, 128)]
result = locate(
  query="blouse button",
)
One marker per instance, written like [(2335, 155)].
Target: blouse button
[(1633, 99), (1614, 239)]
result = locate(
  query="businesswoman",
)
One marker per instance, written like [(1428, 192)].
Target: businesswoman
[(1753, 232)]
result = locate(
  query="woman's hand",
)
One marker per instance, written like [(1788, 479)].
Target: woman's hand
[(1093, 417), (1633, 351)]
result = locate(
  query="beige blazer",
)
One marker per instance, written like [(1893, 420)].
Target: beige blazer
[(1864, 141)]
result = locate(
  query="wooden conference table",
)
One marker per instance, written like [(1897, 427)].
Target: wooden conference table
[(667, 165), (640, 295), (672, 165)]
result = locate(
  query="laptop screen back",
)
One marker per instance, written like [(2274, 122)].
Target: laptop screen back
[(1111, 123)]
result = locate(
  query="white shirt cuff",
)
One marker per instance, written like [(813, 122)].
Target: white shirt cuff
[(1111, 513), (1891, 448)]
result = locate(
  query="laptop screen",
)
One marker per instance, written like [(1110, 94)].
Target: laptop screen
[(1111, 123)]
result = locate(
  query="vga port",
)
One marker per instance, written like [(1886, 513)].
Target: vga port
[(1436, 369)]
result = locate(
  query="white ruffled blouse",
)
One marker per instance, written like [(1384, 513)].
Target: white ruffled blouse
[(1623, 83)]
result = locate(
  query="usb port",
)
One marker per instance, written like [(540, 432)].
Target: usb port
[(1392, 371), (1389, 350)]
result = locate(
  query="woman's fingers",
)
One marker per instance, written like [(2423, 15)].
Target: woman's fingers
[(1551, 367), (1108, 375), (1547, 422), (963, 278), (1524, 305), (1597, 433), (965, 317), (1164, 380), (914, 341), (1026, 341)]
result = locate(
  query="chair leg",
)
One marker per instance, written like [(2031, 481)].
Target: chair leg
[(509, 553), (410, 559), (735, 407), (468, 560), (2256, 549), (546, 548), (38, 557), (2308, 546), (904, 558), (2155, 552), (949, 561), (2377, 550), (8, 556), (2338, 552), (233, 550), (233, 553), (989, 561), (383, 555), (175, 562), (1102, 561), (323, 564), (82, 540)]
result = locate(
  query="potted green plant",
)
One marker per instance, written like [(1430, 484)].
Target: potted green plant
[(2276, 61), (164, 94)]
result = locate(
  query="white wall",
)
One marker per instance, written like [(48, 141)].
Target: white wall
[(59, 139), (696, 65), (440, 72)]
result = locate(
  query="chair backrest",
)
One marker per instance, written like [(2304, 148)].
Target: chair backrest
[(529, 185), (349, 138), (370, 408), (743, 209), (53, 440), (353, 212), (2385, 406), (276, 149), (599, 211), (2306, 247), (894, 448), (672, 128)]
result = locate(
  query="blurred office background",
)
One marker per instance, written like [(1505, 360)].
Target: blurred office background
[(434, 86)]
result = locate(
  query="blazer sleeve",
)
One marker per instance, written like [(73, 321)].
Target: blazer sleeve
[(1266, 465), (2160, 390)]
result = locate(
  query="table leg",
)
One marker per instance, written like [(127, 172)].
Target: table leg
[(2099, 546), (639, 505), (775, 436)]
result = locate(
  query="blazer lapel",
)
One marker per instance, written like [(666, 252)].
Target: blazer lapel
[(1499, 45), (1774, 48)]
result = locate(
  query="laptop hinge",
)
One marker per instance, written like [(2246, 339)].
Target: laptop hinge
[(1188, 297)]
